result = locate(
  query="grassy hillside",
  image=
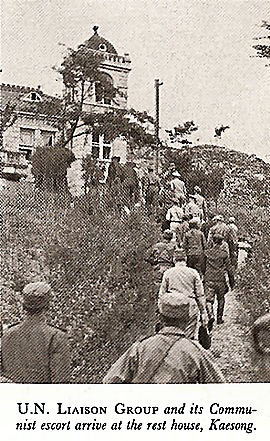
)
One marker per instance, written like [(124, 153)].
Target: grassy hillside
[(103, 289)]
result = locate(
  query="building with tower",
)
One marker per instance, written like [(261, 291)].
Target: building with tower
[(36, 125), (115, 68)]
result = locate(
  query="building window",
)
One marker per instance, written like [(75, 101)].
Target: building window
[(102, 89), (102, 47), (33, 96), (47, 138), (95, 151), (95, 137), (27, 152), (106, 152), (27, 137)]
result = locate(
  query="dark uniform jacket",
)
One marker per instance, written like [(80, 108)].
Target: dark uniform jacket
[(162, 253), (194, 242), (217, 265), (34, 352)]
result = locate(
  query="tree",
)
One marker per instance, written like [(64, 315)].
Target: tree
[(81, 69), (219, 130), (7, 118), (180, 133), (49, 167), (263, 50)]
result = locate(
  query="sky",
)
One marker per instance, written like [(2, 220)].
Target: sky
[(201, 50)]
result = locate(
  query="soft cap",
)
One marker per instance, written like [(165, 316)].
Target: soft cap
[(36, 296), (174, 305)]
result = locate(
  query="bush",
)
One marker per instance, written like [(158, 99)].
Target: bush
[(103, 289), (49, 167)]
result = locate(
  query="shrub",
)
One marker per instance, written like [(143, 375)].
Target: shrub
[(49, 167), (103, 289)]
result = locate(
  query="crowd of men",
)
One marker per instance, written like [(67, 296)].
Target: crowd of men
[(194, 264)]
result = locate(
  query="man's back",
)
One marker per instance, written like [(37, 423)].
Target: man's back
[(193, 210), (221, 229), (217, 264), (175, 214), (194, 242), (178, 186), (200, 201), (165, 358), (182, 279), (34, 352)]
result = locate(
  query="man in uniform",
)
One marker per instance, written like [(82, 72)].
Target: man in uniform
[(175, 215), (179, 188), (161, 255), (217, 267), (194, 244), (186, 282), (221, 229), (191, 209), (151, 186), (33, 351), (168, 357)]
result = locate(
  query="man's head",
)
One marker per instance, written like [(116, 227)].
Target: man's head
[(197, 189), (36, 297), (176, 174), (174, 309), (179, 255), (167, 235), (232, 220), (217, 239)]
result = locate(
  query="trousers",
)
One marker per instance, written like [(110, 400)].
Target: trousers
[(215, 290)]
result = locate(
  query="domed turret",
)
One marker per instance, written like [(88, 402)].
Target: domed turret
[(98, 43)]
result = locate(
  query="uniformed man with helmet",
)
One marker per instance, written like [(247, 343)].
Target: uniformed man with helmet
[(32, 350)]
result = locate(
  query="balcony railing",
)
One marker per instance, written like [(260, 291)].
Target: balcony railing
[(13, 159)]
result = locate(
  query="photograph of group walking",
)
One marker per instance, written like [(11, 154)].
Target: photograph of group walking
[(135, 192)]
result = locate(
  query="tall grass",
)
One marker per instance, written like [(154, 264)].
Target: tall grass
[(103, 289)]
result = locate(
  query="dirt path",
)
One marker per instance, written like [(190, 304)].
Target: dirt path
[(231, 342)]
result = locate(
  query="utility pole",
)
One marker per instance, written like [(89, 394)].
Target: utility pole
[(157, 86)]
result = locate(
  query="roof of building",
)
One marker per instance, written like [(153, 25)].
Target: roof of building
[(29, 99), (98, 43)]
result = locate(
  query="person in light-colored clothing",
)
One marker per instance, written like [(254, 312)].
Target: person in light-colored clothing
[(186, 281), (168, 357), (175, 216), (191, 209), (178, 186)]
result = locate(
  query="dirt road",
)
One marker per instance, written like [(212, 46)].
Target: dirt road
[(231, 342)]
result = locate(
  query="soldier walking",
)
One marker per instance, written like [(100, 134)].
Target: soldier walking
[(151, 186), (217, 267), (162, 254), (194, 244), (186, 281), (33, 351), (168, 357)]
